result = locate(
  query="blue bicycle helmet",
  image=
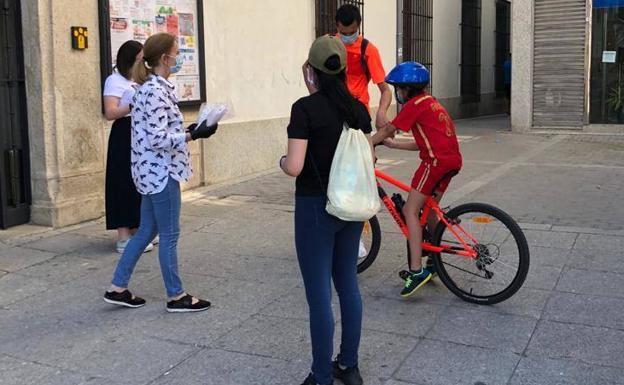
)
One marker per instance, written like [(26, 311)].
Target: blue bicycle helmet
[(408, 73)]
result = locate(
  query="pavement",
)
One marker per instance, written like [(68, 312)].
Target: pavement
[(565, 326)]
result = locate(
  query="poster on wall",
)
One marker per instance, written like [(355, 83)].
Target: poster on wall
[(139, 19)]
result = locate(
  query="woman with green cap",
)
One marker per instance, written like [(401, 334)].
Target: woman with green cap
[(327, 247)]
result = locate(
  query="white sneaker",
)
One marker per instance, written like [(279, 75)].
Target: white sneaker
[(362, 252), (121, 246)]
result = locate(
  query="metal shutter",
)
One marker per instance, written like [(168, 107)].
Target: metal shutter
[(559, 63)]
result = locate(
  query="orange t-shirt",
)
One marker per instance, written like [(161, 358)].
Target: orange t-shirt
[(356, 77)]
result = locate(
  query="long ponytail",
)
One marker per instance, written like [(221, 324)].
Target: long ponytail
[(334, 87), (155, 46)]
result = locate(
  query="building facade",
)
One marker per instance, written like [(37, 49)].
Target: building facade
[(568, 68), (54, 135)]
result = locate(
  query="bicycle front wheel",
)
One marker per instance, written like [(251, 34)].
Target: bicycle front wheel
[(502, 260)]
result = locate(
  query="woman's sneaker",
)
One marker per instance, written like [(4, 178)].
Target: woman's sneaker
[(348, 376), (310, 380), (186, 305), (121, 246), (414, 281), (125, 298)]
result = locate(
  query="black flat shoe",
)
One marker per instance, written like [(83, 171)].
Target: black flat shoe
[(348, 376), (310, 380), (186, 305), (125, 298)]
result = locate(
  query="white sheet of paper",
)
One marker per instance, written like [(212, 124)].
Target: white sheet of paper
[(609, 56)]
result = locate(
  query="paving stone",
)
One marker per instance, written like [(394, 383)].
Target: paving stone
[(541, 371), (15, 287), (586, 310), (589, 259), (549, 256), (592, 282), (13, 259), (592, 345), (599, 243), (550, 239), (64, 268), (264, 270), (526, 302), (231, 368), (456, 365), (19, 372), (97, 352), (484, 329), (275, 337), (542, 277), (381, 353), (398, 316), (63, 243)]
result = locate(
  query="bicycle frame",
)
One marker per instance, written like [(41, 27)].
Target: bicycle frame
[(430, 205)]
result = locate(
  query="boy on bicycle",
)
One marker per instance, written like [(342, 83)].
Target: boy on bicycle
[(434, 137)]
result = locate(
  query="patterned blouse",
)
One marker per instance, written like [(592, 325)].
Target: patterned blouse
[(159, 149)]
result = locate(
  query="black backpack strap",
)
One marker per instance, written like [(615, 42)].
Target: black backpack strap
[(363, 58)]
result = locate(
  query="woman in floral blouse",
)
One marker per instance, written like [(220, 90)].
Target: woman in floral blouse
[(160, 160)]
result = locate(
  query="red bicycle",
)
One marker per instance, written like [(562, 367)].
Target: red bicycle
[(478, 251)]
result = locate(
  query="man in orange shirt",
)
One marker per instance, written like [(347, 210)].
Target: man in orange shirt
[(363, 62)]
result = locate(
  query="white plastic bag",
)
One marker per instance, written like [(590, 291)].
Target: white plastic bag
[(352, 190), (212, 113)]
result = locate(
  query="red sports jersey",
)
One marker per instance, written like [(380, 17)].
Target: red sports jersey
[(433, 130)]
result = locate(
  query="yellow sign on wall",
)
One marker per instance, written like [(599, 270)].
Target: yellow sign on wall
[(80, 38)]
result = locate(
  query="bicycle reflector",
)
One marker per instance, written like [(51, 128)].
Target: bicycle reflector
[(484, 220), (366, 228)]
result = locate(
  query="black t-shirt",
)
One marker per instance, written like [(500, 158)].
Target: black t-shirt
[(314, 118)]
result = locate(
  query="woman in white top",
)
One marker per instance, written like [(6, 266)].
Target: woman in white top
[(160, 160), (123, 202)]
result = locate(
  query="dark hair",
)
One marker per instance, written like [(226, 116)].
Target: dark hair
[(126, 56), (414, 89), (347, 14), (334, 87)]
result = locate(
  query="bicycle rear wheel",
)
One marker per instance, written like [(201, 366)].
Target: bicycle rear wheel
[(369, 244), (502, 261)]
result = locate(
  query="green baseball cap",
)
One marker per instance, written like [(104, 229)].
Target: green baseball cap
[(322, 49)]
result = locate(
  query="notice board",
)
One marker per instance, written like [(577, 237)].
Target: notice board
[(123, 20)]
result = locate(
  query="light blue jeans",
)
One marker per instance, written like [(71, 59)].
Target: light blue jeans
[(160, 214)]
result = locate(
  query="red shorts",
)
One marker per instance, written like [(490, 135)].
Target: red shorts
[(429, 177)]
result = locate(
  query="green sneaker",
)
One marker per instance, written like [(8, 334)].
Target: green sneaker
[(414, 282), (431, 267)]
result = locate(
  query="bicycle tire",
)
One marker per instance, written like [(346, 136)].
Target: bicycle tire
[(375, 245), (521, 243)]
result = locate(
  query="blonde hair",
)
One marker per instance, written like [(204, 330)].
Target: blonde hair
[(156, 45)]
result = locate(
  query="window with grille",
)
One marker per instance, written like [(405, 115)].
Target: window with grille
[(326, 15), (471, 51), (503, 46), (418, 32)]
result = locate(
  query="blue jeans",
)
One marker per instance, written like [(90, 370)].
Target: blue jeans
[(160, 214), (327, 248)]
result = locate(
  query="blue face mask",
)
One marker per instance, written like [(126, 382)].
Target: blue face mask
[(349, 39), (178, 65)]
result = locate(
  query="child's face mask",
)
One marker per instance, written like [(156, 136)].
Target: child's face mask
[(400, 95)]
